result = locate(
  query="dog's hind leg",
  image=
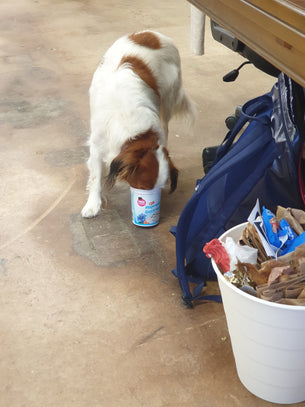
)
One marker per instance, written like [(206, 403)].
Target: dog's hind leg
[(185, 108), (164, 123), (94, 185)]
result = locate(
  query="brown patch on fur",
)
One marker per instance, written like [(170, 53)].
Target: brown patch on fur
[(142, 70), (137, 163), (173, 172), (146, 39)]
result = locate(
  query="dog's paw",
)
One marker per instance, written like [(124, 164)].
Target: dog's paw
[(91, 209)]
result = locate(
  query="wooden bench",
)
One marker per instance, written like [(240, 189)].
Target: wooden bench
[(275, 29)]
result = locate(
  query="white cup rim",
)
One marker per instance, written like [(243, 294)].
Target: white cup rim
[(145, 191)]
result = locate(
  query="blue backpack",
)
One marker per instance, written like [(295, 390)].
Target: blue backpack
[(262, 163)]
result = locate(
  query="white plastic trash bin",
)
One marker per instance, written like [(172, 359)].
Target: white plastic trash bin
[(268, 340)]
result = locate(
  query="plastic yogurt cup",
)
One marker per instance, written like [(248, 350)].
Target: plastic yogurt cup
[(145, 206)]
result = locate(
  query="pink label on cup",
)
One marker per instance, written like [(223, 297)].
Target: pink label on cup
[(141, 201)]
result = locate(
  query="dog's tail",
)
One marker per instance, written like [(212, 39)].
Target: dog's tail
[(186, 109)]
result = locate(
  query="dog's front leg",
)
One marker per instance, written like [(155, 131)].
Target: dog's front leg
[(94, 186)]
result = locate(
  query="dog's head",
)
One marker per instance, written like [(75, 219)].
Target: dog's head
[(144, 164)]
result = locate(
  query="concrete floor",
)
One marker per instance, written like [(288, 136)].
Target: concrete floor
[(91, 314)]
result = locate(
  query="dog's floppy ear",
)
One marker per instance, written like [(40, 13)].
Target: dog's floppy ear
[(173, 176), (118, 169), (115, 168), (173, 172)]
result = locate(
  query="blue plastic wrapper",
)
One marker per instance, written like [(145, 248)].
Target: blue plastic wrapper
[(273, 238), (284, 238), (284, 226), (294, 244)]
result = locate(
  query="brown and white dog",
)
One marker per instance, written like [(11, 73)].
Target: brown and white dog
[(135, 91)]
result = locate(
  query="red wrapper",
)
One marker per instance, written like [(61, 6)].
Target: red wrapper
[(216, 250)]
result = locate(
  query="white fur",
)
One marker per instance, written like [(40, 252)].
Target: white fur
[(123, 106)]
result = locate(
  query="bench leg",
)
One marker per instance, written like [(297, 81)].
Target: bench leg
[(197, 31)]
